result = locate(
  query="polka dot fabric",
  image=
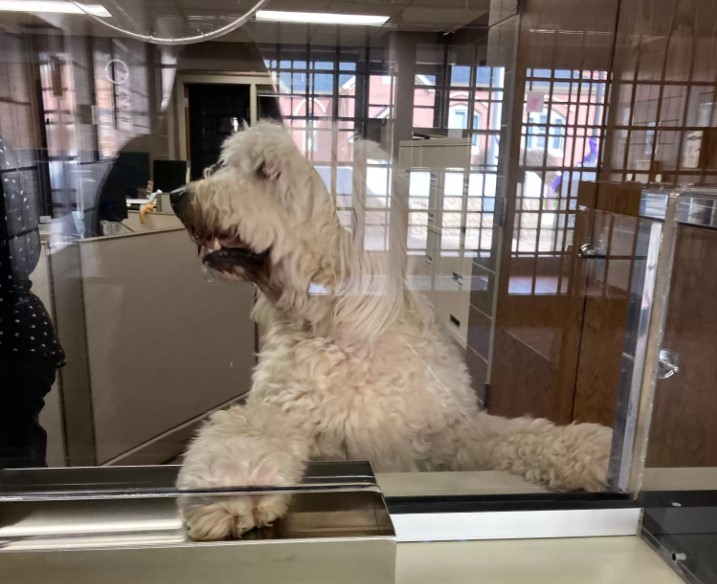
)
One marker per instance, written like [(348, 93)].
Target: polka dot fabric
[(25, 326)]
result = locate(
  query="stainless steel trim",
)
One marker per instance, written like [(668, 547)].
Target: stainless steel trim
[(349, 561), (120, 524), (658, 317), (112, 523), (634, 353), (84, 483), (516, 524)]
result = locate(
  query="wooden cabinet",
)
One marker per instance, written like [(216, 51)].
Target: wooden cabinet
[(561, 319)]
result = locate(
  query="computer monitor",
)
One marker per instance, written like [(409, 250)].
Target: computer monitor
[(169, 174), (129, 172)]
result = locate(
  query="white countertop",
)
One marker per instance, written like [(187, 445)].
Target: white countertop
[(604, 560), (680, 479), (484, 482)]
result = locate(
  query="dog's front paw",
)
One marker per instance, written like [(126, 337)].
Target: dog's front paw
[(230, 516), (232, 464), (230, 454), (585, 450)]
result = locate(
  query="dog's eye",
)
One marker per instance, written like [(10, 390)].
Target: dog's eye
[(267, 170), (262, 170)]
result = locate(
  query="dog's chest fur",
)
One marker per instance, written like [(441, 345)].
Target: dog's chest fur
[(382, 401)]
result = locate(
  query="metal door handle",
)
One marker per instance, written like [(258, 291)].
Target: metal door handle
[(668, 364), (589, 252)]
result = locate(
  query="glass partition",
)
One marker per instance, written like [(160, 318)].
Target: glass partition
[(348, 179), (616, 295)]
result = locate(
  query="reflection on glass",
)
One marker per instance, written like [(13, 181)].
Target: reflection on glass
[(106, 127)]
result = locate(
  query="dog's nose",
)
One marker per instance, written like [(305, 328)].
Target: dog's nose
[(179, 198)]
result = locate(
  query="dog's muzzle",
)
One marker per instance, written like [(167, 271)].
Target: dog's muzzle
[(179, 198)]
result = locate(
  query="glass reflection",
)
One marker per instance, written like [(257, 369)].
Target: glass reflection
[(111, 125)]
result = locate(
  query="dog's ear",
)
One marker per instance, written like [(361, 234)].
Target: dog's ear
[(263, 149)]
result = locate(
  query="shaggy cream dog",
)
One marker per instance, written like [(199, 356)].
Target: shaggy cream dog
[(353, 364)]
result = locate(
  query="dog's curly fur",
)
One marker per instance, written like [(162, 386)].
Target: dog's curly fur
[(359, 370)]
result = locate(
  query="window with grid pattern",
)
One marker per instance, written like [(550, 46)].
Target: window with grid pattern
[(326, 99), (467, 100), (664, 100), (561, 138)]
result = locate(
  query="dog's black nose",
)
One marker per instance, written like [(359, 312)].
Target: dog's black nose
[(179, 198)]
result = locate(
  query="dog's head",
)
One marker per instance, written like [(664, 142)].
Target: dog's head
[(263, 214)]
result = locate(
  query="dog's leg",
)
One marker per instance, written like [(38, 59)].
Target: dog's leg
[(561, 457), (250, 445)]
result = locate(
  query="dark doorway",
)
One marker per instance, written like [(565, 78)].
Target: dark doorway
[(215, 112)]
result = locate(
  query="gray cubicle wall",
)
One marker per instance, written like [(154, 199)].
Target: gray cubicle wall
[(163, 346)]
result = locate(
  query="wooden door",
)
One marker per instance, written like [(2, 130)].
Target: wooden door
[(215, 112), (562, 320), (683, 431)]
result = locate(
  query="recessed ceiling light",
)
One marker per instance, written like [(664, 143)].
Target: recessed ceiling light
[(321, 18), (55, 6)]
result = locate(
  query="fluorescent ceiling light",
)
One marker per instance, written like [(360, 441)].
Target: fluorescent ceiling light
[(321, 18), (55, 6)]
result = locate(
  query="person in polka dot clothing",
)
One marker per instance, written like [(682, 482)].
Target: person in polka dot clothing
[(30, 353)]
